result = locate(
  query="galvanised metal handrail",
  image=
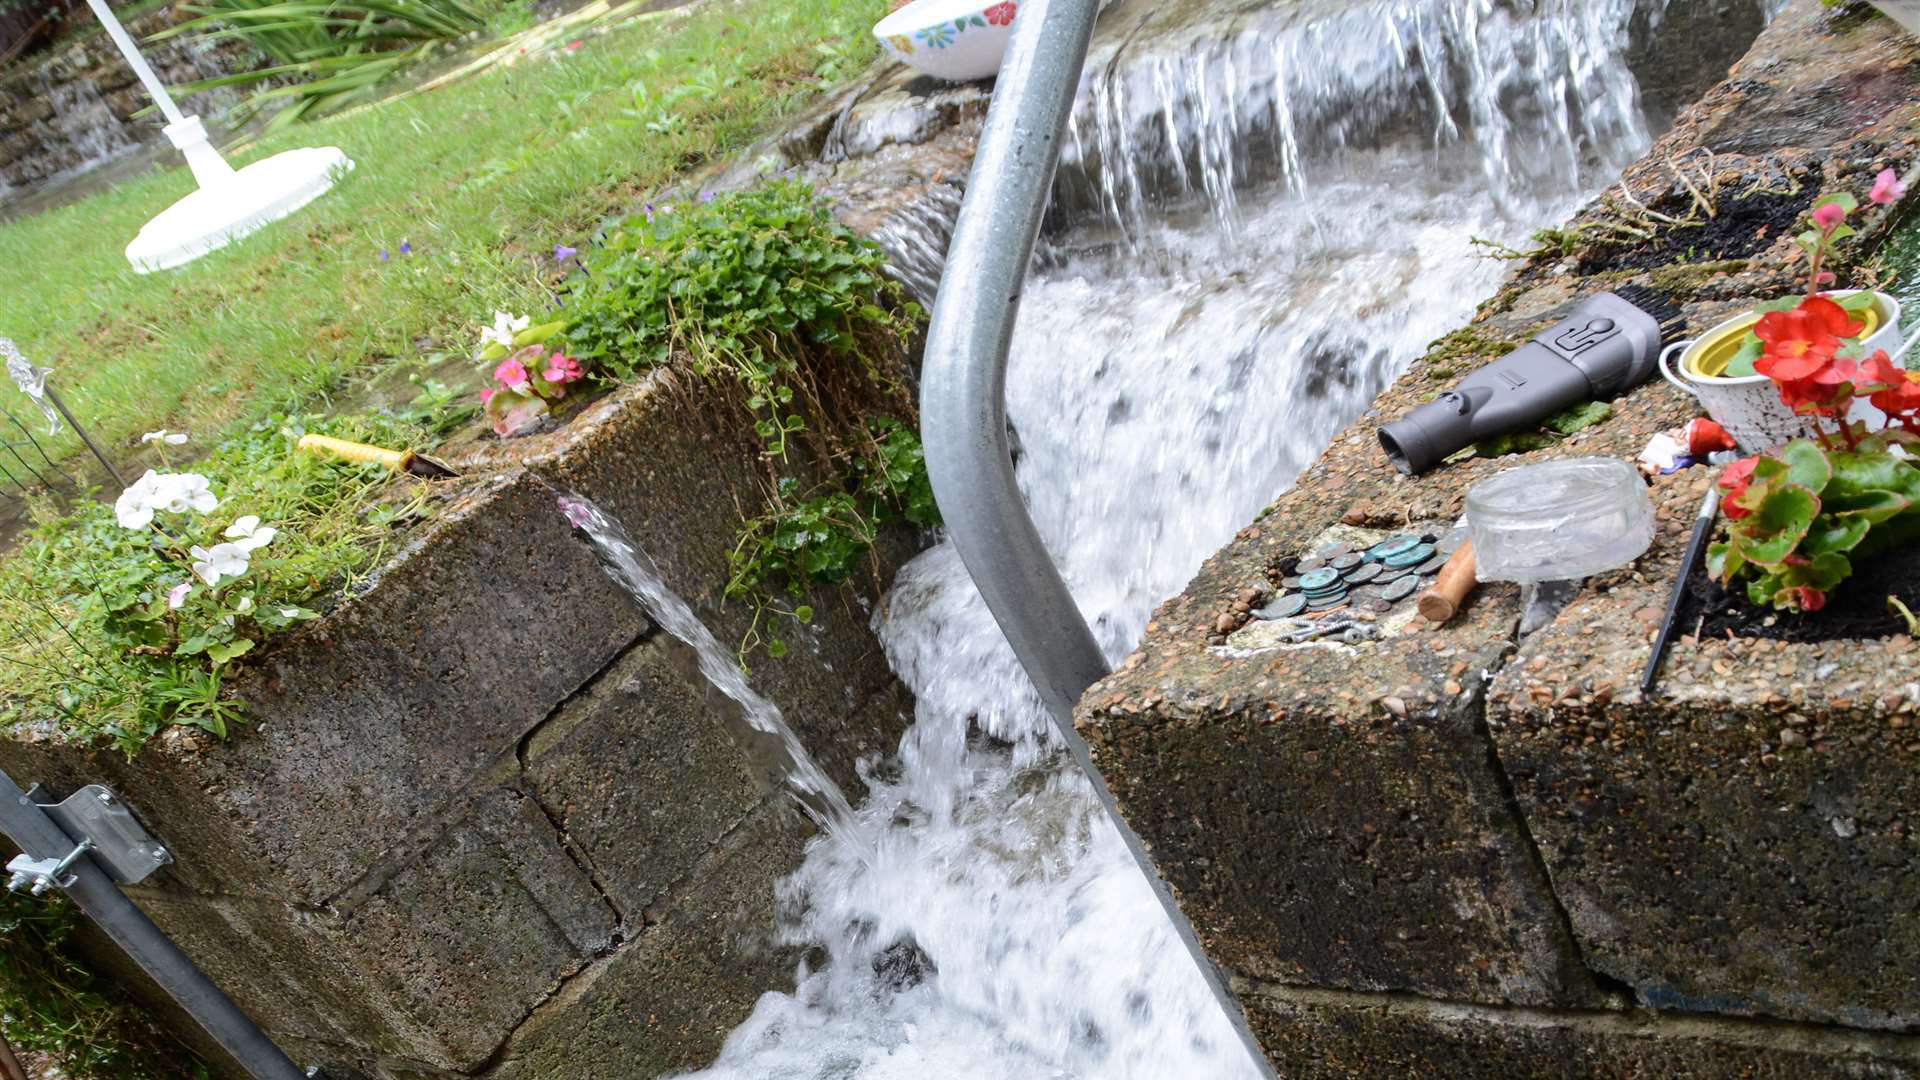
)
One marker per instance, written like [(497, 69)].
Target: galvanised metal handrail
[(90, 888), (963, 408)]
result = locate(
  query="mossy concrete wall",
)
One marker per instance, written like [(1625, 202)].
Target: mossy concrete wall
[(486, 819), (1468, 852)]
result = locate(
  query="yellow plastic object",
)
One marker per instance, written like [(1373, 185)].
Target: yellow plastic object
[(1711, 356), (353, 451)]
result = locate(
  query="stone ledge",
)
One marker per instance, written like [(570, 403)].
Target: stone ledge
[(1323, 1034), (1228, 762)]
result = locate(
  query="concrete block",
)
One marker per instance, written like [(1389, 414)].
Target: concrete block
[(1317, 1036), (1745, 841), (642, 776), (667, 999)]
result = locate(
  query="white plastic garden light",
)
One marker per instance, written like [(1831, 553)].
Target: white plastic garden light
[(229, 204)]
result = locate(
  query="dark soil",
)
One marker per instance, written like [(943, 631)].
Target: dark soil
[(1857, 609), (1744, 228)]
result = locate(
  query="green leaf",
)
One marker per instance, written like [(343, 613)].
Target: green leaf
[(1835, 533), (1807, 465), (1856, 303), (1740, 364), (776, 648), (803, 614), (1841, 199), (220, 654), (1776, 526)]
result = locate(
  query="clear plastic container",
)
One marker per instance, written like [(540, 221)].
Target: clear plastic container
[(1559, 520)]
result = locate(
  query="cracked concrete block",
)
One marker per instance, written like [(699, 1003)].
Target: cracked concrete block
[(438, 966), (290, 970), (1313, 1036), (665, 1001), (1747, 839), (477, 930), (642, 776)]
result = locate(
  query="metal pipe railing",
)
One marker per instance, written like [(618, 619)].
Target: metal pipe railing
[(35, 833), (963, 404), (963, 410)]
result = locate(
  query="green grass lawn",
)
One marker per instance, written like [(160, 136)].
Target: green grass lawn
[(481, 178)]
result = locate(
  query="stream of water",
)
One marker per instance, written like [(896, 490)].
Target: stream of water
[(1191, 345)]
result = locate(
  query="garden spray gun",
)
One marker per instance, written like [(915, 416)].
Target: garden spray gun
[(1609, 344)]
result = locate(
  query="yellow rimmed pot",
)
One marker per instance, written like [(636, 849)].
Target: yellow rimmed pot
[(1749, 406)]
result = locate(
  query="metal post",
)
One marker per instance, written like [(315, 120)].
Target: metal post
[(112, 472), (36, 834), (963, 410)]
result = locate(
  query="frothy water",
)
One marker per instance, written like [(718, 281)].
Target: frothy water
[(1242, 291), (758, 725)]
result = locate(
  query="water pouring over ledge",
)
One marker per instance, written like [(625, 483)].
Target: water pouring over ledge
[(229, 203), (1257, 233)]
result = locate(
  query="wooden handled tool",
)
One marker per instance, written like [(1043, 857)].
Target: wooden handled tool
[(1450, 589)]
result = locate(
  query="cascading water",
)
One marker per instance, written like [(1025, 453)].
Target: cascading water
[(759, 727), (1294, 210)]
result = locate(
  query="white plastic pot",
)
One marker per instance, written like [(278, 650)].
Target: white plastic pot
[(956, 40), (1749, 406)]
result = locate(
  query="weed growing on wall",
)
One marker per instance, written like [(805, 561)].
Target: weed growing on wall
[(766, 297), (51, 1004), (118, 620)]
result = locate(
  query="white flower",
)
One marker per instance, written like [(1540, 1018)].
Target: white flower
[(171, 438), (247, 534), (177, 595), (503, 329), (186, 491), (224, 560), (134, 508), (245, 605), (289, 612)]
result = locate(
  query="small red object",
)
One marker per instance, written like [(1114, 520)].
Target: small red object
[(1702, 437)]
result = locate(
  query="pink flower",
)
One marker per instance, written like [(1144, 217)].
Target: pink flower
[(1887, 188), (562, 368), (1829, 216), (512, 374), (486, 395), (177, 595)]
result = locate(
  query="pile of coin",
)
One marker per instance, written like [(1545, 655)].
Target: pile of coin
[(1371, 580)]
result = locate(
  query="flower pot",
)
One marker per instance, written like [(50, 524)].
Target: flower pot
[(1749, 406), (956, 40)]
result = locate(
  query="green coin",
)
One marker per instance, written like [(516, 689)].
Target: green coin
[(1314, 580), (1400, 589), (1284, 608), (1385, 549), (1410, 557)]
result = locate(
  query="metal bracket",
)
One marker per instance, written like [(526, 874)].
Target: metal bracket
[(105, 829)]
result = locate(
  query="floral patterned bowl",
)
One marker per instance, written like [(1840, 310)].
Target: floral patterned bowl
[(956, 40)]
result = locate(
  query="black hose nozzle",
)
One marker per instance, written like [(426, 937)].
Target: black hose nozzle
[(1607, 345)]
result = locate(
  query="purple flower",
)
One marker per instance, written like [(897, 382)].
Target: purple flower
[(406, 247), (706, 196), (648, 210), (561, 253), (383, 254)]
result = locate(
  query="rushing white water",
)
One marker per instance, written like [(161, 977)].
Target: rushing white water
[(990, 923)]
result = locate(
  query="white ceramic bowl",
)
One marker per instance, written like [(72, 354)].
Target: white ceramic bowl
[(956, 40)]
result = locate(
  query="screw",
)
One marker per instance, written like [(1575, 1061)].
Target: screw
[(41, 885), (159, 854), (17, 882), (106, 797)]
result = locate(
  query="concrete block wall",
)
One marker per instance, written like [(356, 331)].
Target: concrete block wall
[(486, 819)]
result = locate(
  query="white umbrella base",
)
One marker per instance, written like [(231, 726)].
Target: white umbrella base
[(219, 214)]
